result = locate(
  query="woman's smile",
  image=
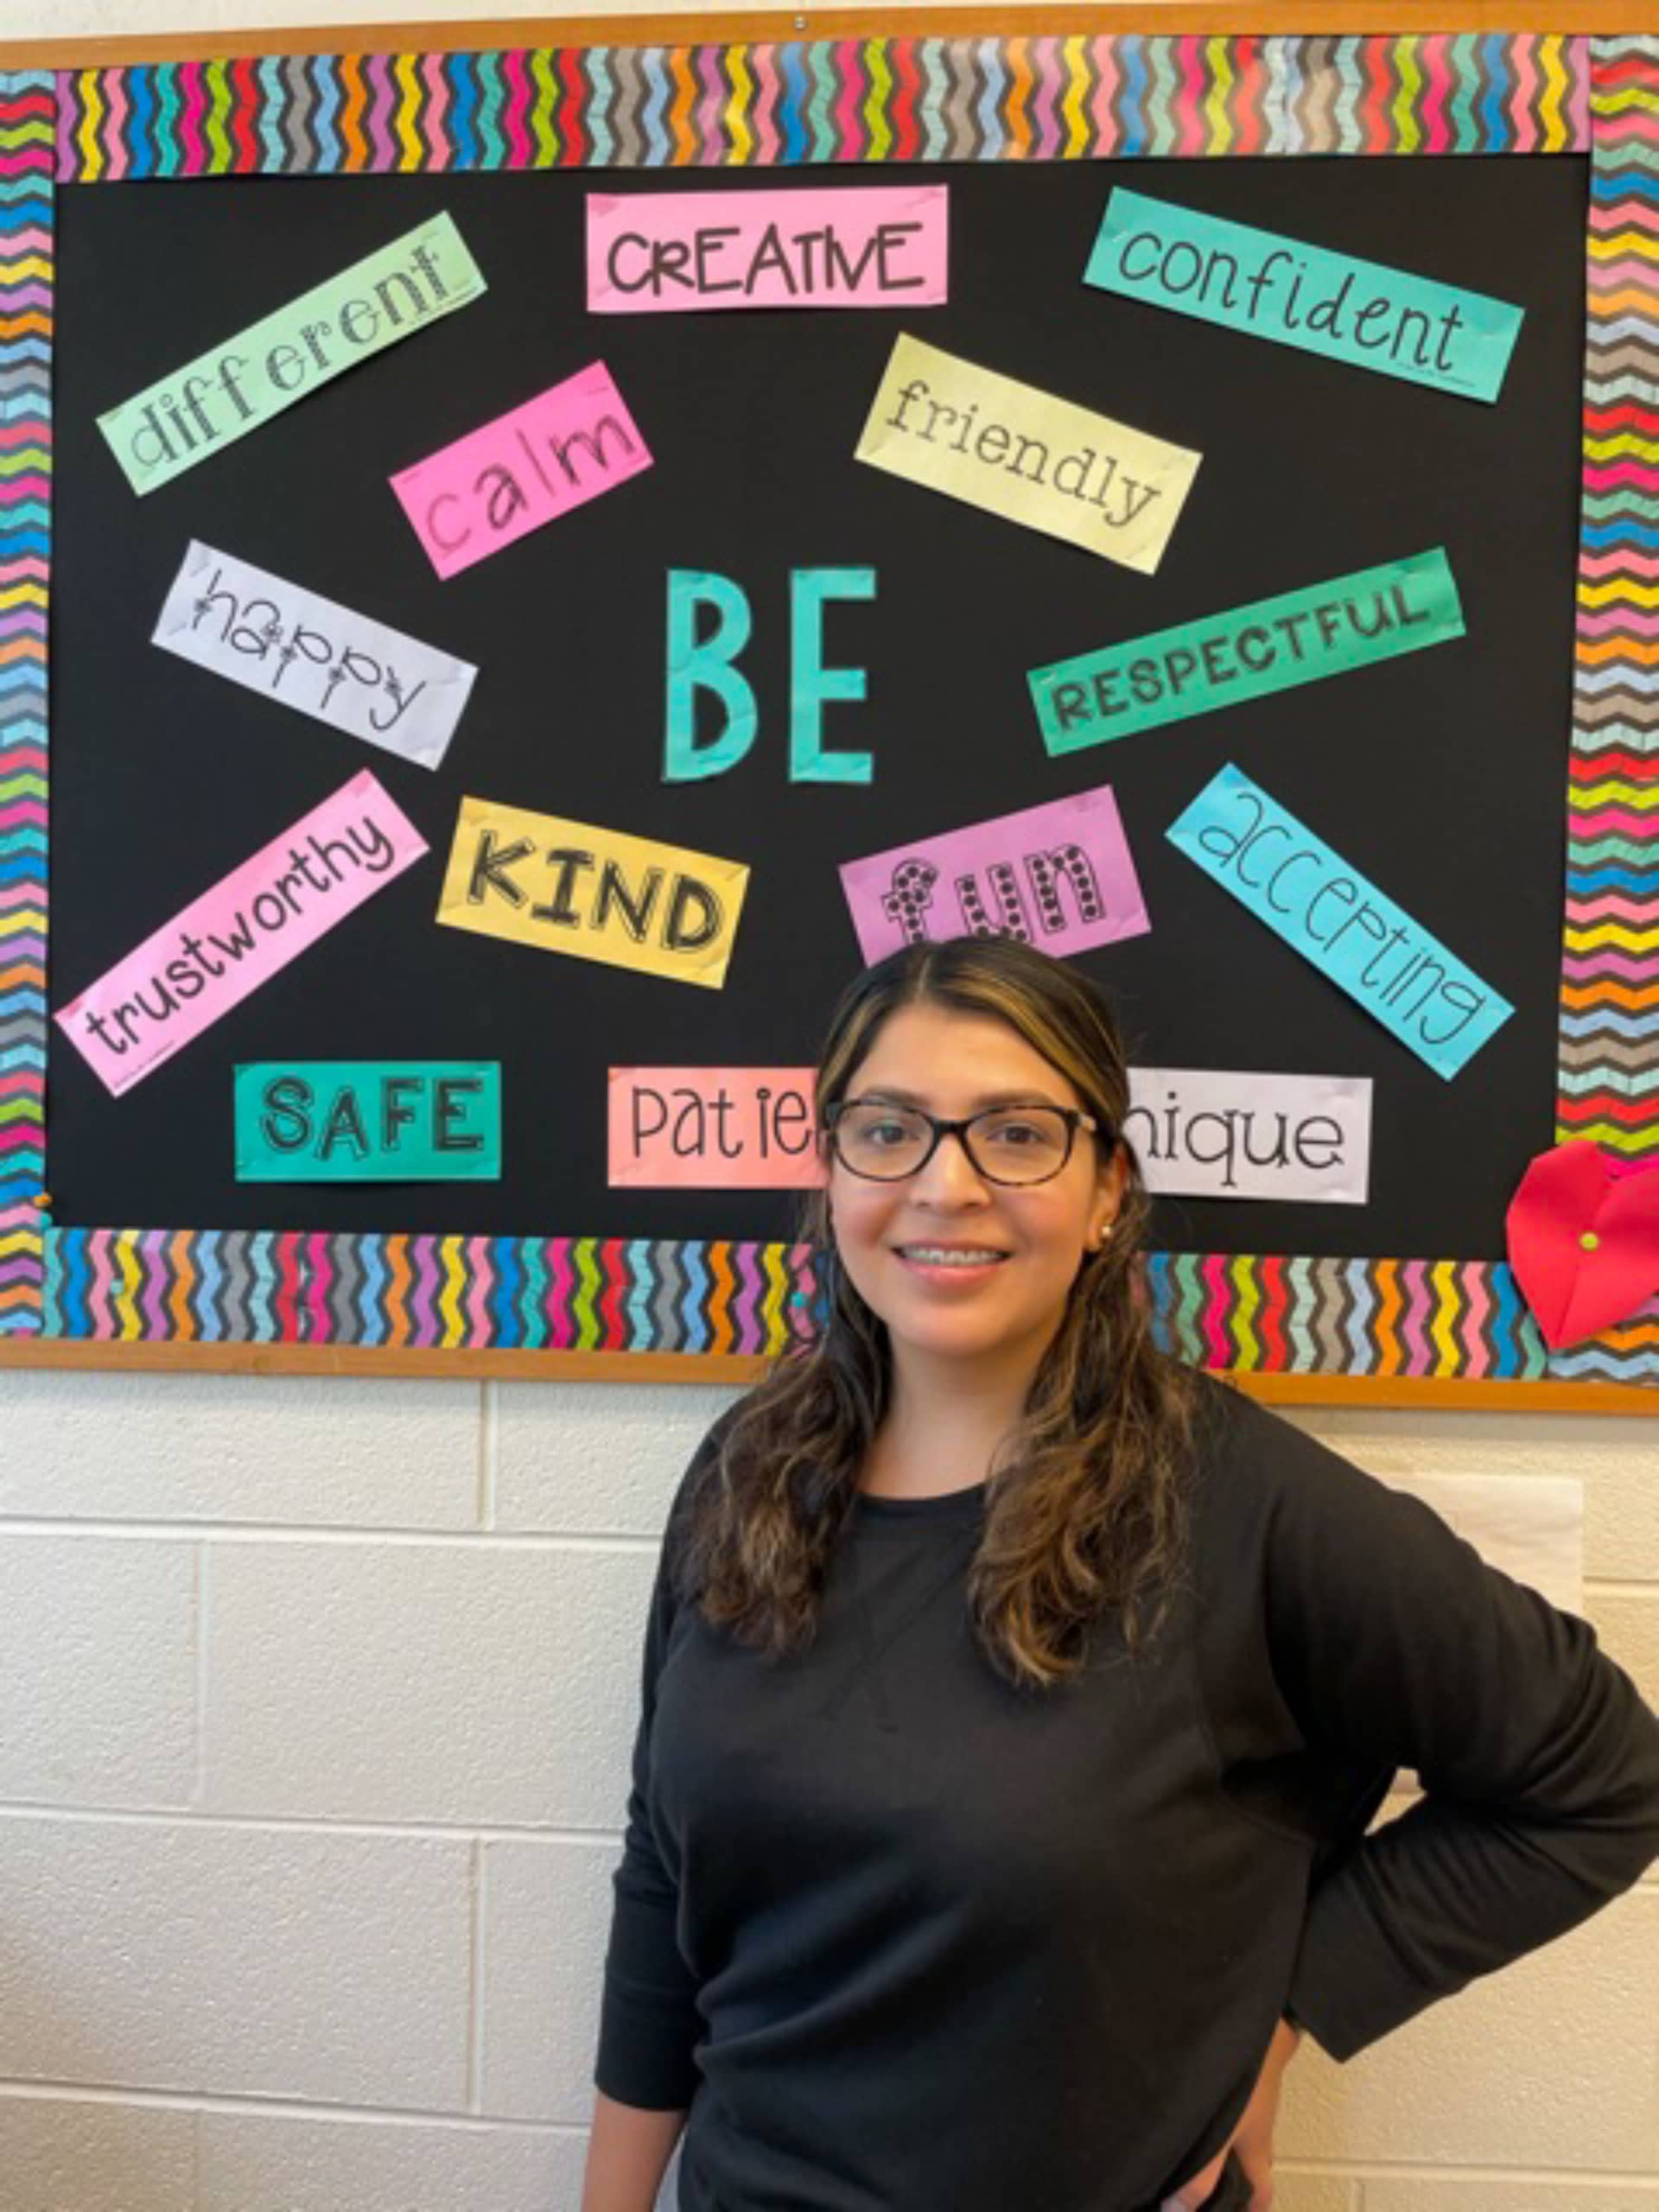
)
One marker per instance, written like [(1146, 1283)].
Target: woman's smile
[(953, 1264)]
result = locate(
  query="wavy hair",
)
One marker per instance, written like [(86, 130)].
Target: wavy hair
[(1085, 1511)]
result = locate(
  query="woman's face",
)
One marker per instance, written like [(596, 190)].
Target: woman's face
[(956, 1266)]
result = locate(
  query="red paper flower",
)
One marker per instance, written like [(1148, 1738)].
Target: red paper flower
[(1584, 1241)]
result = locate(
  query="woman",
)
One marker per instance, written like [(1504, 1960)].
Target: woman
[(1016, 1702)]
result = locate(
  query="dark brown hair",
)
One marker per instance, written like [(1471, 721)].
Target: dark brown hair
[(1085, 1511)]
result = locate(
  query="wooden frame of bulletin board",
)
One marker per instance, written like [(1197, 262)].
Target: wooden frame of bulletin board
[(790, 90)]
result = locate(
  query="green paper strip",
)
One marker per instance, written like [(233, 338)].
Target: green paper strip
[(1323, 629), (368, 1122), (1360, 312), (220, 397)]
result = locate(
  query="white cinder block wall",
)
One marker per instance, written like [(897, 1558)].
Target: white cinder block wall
[(317, 1698)]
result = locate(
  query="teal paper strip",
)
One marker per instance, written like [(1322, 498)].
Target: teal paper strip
[(1330, 915), (1322, 630), (368, 1122), (1360, 312), (236, 386)]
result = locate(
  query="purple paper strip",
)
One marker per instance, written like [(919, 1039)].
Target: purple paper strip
[(1060, 875)]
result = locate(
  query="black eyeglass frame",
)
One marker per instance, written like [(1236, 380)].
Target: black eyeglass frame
[(1073, 1117)]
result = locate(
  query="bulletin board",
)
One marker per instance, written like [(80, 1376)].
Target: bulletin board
[(1502, 786)]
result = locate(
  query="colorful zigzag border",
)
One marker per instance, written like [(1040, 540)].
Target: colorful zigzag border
[(27, 113), (426, 1292), (870, 100), (883, 99), (1608, 1052), (1248, 1315)]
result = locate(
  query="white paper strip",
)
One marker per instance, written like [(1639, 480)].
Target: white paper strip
[(1531, 1526), (308, 652), (1207, 1133)]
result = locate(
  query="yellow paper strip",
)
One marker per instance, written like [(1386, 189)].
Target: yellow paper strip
[(567, 886), (1027, 455)]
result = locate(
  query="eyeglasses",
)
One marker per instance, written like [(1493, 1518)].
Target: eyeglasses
[(1015, 1144)]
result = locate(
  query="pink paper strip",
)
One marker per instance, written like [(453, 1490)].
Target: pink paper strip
[(712, 1129), (677, 252), (1060, 874), (237, 936), (509, 477)]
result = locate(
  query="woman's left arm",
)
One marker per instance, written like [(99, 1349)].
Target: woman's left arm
[(1392, 1643)]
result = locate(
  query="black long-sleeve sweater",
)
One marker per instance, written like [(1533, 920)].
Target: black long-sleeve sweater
[(908, 1939)]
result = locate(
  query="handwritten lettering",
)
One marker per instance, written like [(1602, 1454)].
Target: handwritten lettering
[(569, 886), (858, 246), (1027, 455), (1399, 973), (236, 936), (242, 623), (1360, 312), (728, 1129), (199, 409), (1059, 875), (352, 1121), (1325, 630), (565, 447), (1208, 1133)]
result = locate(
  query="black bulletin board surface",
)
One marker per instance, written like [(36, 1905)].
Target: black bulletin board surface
[(1440, 776)]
